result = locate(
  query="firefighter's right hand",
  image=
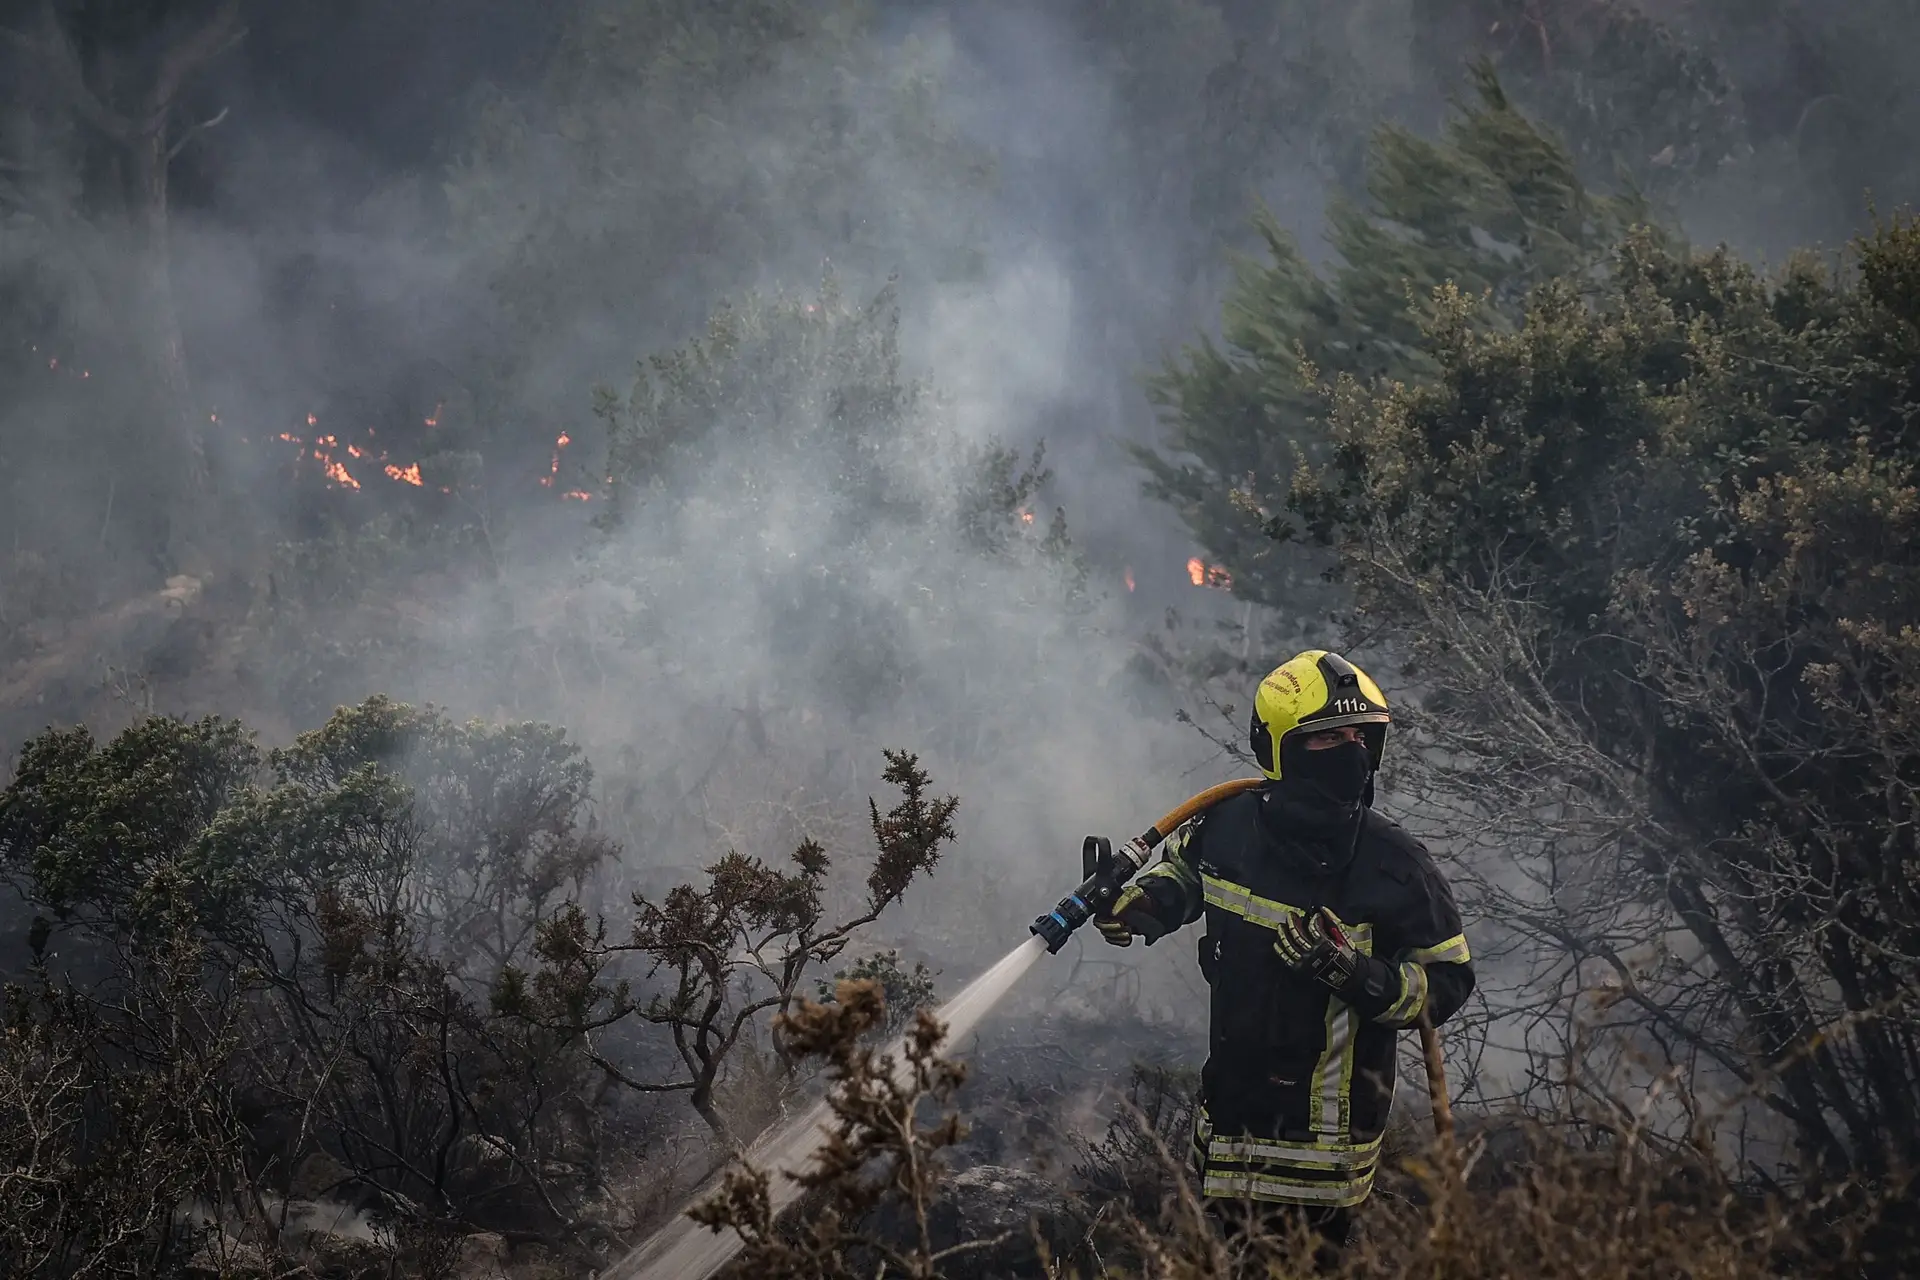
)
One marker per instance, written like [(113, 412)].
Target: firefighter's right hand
[(1132, 914)]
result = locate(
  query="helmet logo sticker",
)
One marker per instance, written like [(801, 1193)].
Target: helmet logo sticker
[(1288, 676)]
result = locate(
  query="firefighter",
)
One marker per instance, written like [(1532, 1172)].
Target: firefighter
[(1329, 929)]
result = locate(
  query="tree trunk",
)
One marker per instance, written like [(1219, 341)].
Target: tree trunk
[(151, 217), (189, 473)]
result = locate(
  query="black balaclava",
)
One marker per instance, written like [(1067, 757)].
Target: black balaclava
[(1316, 804)]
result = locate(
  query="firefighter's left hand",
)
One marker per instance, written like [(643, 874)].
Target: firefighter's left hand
[(1316, 943)]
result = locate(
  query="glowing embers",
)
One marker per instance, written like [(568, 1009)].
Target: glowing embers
[(552, 477), (1202, 574), (553, 470), (333, 457), (323, 446)]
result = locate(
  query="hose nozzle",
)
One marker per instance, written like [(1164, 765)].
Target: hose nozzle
[(1107, 870)]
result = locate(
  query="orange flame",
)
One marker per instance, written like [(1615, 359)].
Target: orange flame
[(434, 421), (411, 475), (1026, 517), (577, 495), (1128, 576), (336, 472), (1202, 574), (312, 421)]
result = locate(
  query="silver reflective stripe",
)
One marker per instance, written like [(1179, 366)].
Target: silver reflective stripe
[(1452, 951), (1299, 1154), (1413, 996), (1333, 1075), (1257, 1186)]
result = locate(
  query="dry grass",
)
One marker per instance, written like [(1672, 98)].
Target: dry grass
[(1519, 1198)]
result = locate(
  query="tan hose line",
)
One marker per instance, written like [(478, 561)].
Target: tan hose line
[(1429, 1037)]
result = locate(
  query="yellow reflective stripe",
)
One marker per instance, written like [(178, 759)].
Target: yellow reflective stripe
[(1245, 903), (1263, 1186), (1452, 951), (1248, 905), (1304, 1155), (1413, 996)]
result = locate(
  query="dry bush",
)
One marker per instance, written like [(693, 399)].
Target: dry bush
[(1514, 1196), (877, 1152)]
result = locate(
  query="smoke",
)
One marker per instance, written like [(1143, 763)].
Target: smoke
[(364, 310), (434, 259)]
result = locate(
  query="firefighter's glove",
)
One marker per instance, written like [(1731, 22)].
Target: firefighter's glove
[(1131, 914), (1316, 943)]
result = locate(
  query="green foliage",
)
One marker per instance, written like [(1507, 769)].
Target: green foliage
[(1654, 552), (905, 991), (910, 836), (1631, 94), (322, 945), (102, 832), (1494, 207)]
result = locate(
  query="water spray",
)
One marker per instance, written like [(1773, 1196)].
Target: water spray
[(682, 1250)]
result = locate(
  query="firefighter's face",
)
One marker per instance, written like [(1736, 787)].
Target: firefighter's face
[(1326, 738)]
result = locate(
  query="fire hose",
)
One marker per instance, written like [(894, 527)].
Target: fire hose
[(1107, 871)]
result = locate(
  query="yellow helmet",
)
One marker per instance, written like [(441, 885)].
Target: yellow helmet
[(1312, 691)]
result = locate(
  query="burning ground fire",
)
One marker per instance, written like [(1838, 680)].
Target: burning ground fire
[(548, 480), (1202, 574), (322, 447), (326, 450)]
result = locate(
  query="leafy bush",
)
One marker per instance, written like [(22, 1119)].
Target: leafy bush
[(905, 991), (358, 968), (1653, 557)]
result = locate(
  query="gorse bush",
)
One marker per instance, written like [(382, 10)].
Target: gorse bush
[(360, 968)]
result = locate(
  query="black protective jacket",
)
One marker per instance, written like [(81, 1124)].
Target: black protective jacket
[(1299, 1082)]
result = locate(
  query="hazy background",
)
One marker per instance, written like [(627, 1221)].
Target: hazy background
[(424, 232)]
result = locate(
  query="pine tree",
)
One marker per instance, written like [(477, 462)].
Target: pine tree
[(1634, 96), (1494, 207)]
